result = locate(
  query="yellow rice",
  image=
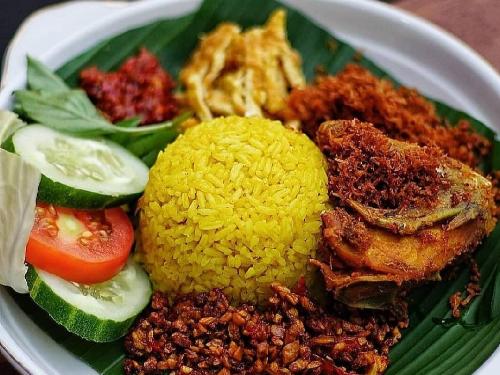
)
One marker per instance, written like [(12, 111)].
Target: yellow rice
[(234, 203)]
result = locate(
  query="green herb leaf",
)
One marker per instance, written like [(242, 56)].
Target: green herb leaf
[(129, 123), (148, 146), (70, 112), (148, 129), (150, 158), (43, 79), (144, 145)]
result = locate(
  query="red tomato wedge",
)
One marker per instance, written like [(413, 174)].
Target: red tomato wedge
[(84, 246)]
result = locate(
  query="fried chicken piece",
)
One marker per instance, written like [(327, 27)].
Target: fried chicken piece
[(409, 257), (402, 212), (401, 113), (245, 73), (399, 186)]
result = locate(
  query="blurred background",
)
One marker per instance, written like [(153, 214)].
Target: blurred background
[(476, 22)]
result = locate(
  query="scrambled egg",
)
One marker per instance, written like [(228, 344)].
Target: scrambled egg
[(245, 73)]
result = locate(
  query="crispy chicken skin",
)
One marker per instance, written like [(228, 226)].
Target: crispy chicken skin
[(401, 212)]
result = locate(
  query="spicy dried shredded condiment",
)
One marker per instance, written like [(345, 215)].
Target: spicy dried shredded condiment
[(202, 334), (401, 113), (140, 87), (460, 300), (367, 167)]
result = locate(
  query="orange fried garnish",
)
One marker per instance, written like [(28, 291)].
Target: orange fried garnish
[(247, 73), (458, 301), (401, 113)]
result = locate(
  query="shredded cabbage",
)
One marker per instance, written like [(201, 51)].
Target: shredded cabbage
[(9, 123), (18, 189)]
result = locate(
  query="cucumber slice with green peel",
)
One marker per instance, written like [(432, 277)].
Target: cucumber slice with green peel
[(101, 312), (80, 172)]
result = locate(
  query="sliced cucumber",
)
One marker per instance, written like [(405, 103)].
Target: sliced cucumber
[(79, 172), (100, 312)]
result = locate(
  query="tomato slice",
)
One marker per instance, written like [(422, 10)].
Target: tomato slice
[(84, 246)]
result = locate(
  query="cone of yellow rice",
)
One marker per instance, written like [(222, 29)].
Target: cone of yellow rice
[(233, 203)]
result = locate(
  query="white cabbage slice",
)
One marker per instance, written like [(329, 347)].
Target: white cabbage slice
[(9, 123), (18, 189)]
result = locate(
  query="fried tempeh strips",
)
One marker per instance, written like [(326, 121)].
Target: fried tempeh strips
[(245, 73)]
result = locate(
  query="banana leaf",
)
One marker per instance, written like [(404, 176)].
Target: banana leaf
[(434, 343)]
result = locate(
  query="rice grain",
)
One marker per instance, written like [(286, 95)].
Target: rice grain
[(234, 203)]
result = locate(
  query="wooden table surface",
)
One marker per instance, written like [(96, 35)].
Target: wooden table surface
[(476, 22)]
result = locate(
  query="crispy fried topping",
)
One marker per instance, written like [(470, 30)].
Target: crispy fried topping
[(365, 166), (459, 300), (202, 334), (401, 113), (245, 73), (140, 87), (495, 181)]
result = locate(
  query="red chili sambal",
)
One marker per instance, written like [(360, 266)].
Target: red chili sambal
[(140, 87)]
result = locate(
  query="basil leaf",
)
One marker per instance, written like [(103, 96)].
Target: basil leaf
[(73, 112), (157, 128), (54, 104), (150, 142), (150, 158), (129, 122), (42, 78), (70, 111)]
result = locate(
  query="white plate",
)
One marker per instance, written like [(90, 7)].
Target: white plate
[(416, 52)]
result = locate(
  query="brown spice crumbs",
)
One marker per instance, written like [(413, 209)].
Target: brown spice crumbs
[(458, 301), (140, 87), (401, 113), (495, 181), (367, 167), (202, 334)]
